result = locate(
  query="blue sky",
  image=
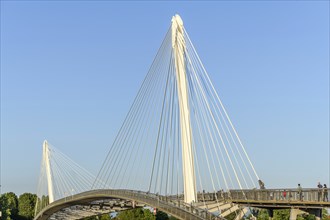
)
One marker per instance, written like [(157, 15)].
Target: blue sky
[(70, 71)]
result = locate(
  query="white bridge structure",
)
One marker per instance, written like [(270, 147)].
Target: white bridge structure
[(177, 150)]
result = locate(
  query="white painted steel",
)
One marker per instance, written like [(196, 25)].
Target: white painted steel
[(48, 171), (241, 213), (179, 46)]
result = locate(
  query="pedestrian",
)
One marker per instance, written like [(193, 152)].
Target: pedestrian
[(300, 192), (325, 193), (290, 195), (261, 184), (284, 194), (319, 191), (271, 195)]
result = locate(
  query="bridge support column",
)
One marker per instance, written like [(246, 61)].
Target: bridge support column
[(294, 213)]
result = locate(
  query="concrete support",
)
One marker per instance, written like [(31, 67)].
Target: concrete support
[(295, 212), (241, 213), (179, 46)]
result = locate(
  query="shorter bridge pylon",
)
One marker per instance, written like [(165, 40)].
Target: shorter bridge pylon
[(59, 177), (46, 161)]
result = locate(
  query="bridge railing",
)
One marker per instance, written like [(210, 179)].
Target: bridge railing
[(307, 194), (171, 204), (176, 206), (168, 204), (288, 195)]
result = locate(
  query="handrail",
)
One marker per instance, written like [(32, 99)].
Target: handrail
[(176, 208), (313, 195)]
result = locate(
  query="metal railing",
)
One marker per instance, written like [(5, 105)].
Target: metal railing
[(176, 208), (308, 197), (294, 195)]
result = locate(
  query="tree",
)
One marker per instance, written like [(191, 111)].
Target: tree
[(148, 215), (26, 204), (325, 214), (161, 216), (41, 203), (9, 206), (282, 214), (141, 214), (105, 217), (263, 215), (306, 217)]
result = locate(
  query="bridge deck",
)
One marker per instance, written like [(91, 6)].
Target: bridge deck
[(177, 209), (275, 198), (174, 205)]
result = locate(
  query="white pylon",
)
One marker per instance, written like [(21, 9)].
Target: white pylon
[(179, 46), (46, 161)]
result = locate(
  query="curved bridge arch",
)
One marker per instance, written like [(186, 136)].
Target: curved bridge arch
[(173, 208)]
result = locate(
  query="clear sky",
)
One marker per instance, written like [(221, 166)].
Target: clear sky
[(70, 71)]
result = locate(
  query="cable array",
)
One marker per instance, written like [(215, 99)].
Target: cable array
[(67, 177), (146, 154)]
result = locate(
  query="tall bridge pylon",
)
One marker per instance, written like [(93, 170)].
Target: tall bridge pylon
[(179, 45), (177, 137)]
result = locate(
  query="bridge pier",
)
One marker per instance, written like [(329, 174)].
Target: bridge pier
[(294, 212)]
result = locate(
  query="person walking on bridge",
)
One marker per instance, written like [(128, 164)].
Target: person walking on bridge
[(300, 192), (325, 193), (261, 184), (319, 191), (284, 194)]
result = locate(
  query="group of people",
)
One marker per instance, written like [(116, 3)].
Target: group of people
[(322, 192)]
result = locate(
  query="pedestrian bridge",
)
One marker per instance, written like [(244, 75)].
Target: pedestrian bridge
[(129, 198), (214, 206), (177, 151)]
